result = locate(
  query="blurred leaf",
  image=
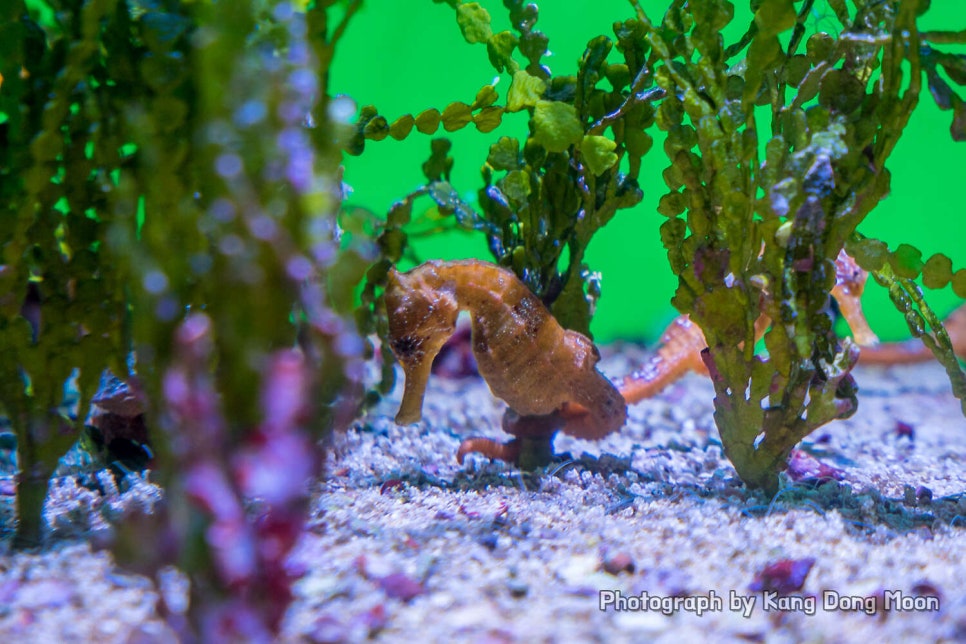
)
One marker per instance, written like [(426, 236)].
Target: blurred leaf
[(841, 12), (400, 214), (344, 277), (831, 141), (161, 30), (573, 308), (440, 163), (937, 271)]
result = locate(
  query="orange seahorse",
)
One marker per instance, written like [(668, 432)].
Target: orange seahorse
[(682, 342), (528, 360)]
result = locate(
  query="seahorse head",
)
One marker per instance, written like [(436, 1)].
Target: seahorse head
[(422, 316)]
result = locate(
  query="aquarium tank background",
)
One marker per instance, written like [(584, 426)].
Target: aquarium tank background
[(173, 177), (404, 59)]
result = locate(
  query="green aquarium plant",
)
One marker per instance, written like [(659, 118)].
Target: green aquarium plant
[(778, 145), (170, 178), (62, 297)]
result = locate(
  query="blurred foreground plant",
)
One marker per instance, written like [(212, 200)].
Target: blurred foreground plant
[(62, 293), (164, 158)]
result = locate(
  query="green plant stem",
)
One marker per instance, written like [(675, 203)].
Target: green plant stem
[(31, 492)]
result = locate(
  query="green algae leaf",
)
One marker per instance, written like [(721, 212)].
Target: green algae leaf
[(401, 127), (638, 142), (672, 204), (673, 232), (841, 91), (533, 45), (500, 48), (959, 283), (516, 186), (713, 15), (937, 271), (455, 116), (556, 126), (595, 56), (439, 164), (488, 119), (795, 69), (400, 214), (504, 154), (572, 308), (941, 92), (474, 22), (392, 242), (485, 97), (525, 90), (377, 129), (871, 254), (819, 48), (955, 67), (906, 261), (618, 75), (343, 277), (841, 12), (775, 16), (958, 128), (763, 56), (598, 153), (427, 121)]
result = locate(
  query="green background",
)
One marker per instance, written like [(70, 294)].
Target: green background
[(406, 56)]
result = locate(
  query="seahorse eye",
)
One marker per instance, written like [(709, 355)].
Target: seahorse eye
[(406, 346)]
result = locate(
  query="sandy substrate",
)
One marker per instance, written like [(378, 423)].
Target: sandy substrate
[(404, 544)]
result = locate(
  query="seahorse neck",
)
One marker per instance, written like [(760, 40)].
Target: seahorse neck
[(474, 281)]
